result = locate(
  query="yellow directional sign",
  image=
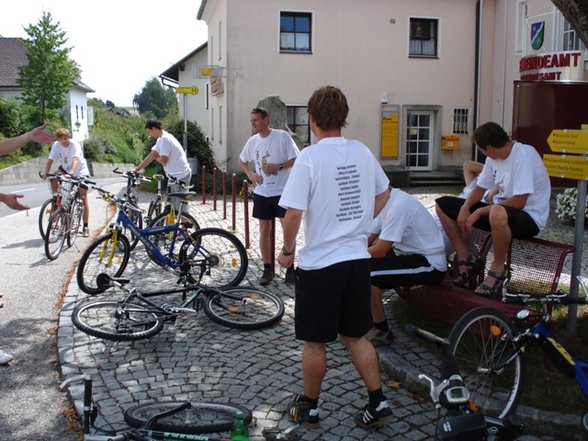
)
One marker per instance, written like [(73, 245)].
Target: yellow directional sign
[(569, 167), (191, 90), (568, 141)]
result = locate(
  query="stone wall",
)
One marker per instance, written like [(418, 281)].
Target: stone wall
[(28, 171)]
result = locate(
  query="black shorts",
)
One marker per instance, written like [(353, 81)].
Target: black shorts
[(333, 300), (393, 271), (522, 226), (267, 208)]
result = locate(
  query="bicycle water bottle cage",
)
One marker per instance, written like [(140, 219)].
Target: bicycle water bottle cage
[(469, 427)]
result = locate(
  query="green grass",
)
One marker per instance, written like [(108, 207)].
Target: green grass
[(545, 387)]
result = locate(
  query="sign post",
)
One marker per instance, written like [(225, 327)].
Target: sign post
[(571, 167)]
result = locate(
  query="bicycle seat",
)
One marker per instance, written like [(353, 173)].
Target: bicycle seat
[(184, 195), (158, 177)]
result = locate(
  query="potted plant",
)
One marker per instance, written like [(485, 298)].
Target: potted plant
[(566, 206)]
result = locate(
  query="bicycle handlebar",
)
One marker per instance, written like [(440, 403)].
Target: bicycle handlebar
[(132, 175), (559, 297)]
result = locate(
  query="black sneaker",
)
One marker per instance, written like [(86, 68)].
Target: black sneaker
[(289, 278), (266, 277), (371, 418), (300, 412)]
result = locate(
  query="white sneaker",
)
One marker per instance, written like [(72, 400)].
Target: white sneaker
[(85, 232), (5, 358), (378, 337)]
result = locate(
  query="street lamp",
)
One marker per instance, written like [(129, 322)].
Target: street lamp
[(77, 125)]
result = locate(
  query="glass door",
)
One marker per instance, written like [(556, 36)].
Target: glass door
[(419, 140)]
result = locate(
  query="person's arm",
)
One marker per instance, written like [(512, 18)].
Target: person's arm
[(75, 162), (38, 134), (381, 200), (11, 200), (152, 156), (380, 248), (251, 175), (290, 227), (471, 169), (47, 168), (270, 168)]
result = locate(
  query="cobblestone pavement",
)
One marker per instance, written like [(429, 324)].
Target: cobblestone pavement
[(198, 359)]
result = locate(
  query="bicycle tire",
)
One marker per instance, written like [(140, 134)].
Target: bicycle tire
[(153, 211), (481, 340), (214, 257), (116, 320), (201, 417), (98, 258), (244, 308), (44, 215), (77, 211), (55, 234), (163, 241)]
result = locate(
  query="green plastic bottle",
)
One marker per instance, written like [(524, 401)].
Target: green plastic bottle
[(240, 431)]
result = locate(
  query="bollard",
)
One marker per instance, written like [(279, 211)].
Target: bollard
[(204, 184), (214, 190), (224, 194), (246, 212), (234, 200)]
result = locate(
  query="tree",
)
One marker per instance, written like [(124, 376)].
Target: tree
[(50, 73), (576, 13), (156, 100)]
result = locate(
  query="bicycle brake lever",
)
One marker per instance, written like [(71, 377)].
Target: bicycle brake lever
[(432, 388)]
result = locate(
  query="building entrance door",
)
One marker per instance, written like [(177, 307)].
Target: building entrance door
[(419, 139)]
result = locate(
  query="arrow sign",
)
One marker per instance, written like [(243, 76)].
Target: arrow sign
[(568, 141), (191, 90), (569, 167)]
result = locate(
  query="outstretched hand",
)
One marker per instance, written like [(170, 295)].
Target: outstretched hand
[(11, 200), (39, 135)]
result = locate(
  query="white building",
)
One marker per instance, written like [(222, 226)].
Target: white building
[(419, 75)]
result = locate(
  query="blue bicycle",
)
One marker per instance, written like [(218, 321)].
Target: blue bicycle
[(489, 348), (209, 257)]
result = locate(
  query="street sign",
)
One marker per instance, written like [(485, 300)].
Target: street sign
[(568, 141), (191, 90), (568, 167)]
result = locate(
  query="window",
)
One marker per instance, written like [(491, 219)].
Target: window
[(521, 31), (461, 120), (295, 35), (423, 37), (220, 40), (297, 120), (571, 42)]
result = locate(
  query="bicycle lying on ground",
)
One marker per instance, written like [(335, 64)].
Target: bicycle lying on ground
[(136, 317), (489, 348), (209, 257), (463, 420), (166, 420), (65, 221), (160, 211)]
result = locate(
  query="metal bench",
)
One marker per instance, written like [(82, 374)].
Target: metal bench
[(536, 266)]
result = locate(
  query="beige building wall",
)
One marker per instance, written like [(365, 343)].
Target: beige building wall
[(195, 105)]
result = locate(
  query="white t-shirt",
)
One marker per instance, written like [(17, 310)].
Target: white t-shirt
[(407, 223), (275, 148), (63, 156), (177, 165), (523, 172), (335, 182)]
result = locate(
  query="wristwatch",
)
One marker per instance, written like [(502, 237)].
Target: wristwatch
[(286, 253)]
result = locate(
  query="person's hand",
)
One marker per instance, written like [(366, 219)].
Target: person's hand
[(39, 135), (255, 178), (286, 261), (11, 200), (270, 168)]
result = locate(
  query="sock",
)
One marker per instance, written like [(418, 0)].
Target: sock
[(375, 397), (382, 326), (313, 402), (85, 225), (267, 266)]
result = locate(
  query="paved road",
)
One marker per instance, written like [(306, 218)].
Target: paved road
[(30, 406)]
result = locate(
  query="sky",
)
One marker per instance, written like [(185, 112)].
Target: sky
[(119, 44)]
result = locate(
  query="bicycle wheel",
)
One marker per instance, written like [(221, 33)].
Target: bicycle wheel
[(116, 321), (201, 417), (244, 308), (77, 210), (482, 341), (163, 240), (102, 256), (55, 234), (214, 257), (153, 211), (44, 215)]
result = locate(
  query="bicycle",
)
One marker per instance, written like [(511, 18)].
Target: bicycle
[(490, 346), (135, 317), (463, 420), (160, 211), (210, 256), (166, 420), (66, 217)]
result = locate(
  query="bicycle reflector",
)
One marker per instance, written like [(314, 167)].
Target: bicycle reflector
[(495, 331)]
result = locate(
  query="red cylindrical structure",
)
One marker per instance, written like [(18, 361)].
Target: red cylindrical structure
[(224, 194), (204, 184), (246, 212), (234, 200), (214, 191)]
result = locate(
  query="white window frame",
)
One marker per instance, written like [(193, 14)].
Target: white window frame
[(521, 29)]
